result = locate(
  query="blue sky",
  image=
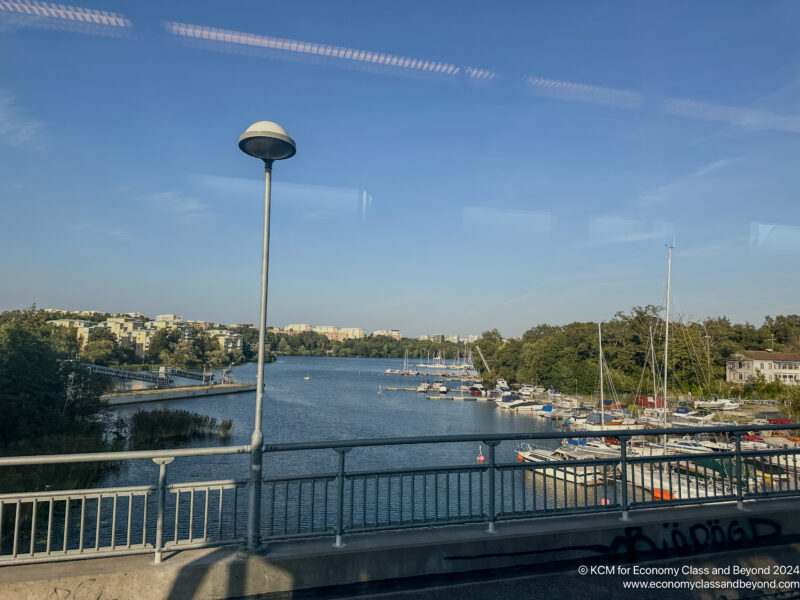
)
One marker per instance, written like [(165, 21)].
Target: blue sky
[(460, 166)]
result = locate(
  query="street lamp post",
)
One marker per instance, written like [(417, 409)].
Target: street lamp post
[(269, 142)]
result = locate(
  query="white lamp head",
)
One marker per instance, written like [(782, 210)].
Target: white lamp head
[(268, 141)]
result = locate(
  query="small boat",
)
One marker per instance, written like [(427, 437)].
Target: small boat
[(477, 389), (306, 378), (508, 397), (676, 481), (686, 445), (581, 475), (720, 404), (424, 387), (521, 405), (526, 390)]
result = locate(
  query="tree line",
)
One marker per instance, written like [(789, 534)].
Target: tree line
[(50, 404), (310, 343), (566, 356)]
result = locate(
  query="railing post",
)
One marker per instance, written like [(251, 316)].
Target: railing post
[(737, 440), (162, 493), (492, 471), (623, 454), (340, 497)]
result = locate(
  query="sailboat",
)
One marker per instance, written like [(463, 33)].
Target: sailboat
[(601, 421), (674, 479)]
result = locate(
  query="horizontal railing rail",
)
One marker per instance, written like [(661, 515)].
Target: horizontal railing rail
[(47, 525), (517, 436), (52, 459)]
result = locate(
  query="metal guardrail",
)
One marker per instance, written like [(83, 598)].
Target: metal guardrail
[(56, 525), (149, 376)]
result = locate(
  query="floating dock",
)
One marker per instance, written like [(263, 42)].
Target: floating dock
[(189, 391)]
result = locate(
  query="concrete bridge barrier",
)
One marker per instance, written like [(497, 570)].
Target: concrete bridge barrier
[(535, 558)]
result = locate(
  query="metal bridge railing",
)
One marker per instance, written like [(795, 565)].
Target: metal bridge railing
[(159, 516)]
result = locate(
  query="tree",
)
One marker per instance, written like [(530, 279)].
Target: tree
[(41, 392), (163, 340), (203, 346), (99, 352), (101, 334)]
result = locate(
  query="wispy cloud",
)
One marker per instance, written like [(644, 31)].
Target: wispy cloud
[(312, 202), (184, 208), (747, 118), (508, 222), (616, 230), (119, 234), (665, 192), (17, 126)]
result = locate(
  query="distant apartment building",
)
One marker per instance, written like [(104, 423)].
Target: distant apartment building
[(170, 322), (472, 338), (329, 331), (83, 328), (451, 338), (424, 337), (392, 333), (438, 338), (297, 328), (351, 333), (228, 340), (90, 313), (249, 325), (169, 318), (69, 322), (774, 366), (141, 341), (135, 333)]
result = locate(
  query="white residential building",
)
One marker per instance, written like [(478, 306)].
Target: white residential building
[(228, 340), (774, 366), (351, 333)]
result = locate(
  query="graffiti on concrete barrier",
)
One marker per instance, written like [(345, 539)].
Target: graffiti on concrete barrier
[(673, 539), (695, 538), (86, 590)]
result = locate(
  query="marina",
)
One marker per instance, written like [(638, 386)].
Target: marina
[(308, 396)]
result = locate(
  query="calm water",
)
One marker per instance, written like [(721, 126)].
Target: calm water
[(340, 400)]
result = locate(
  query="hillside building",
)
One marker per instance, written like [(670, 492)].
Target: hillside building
[(774, 366)]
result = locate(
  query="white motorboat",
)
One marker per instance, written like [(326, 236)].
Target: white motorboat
[(675, 481), (522, 405), (581, 475)]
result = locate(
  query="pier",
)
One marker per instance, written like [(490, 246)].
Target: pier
[(161, 378), (176, 393)]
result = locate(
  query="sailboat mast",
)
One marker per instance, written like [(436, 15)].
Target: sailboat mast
[(600, 360), (653, 365), (666, 331)]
